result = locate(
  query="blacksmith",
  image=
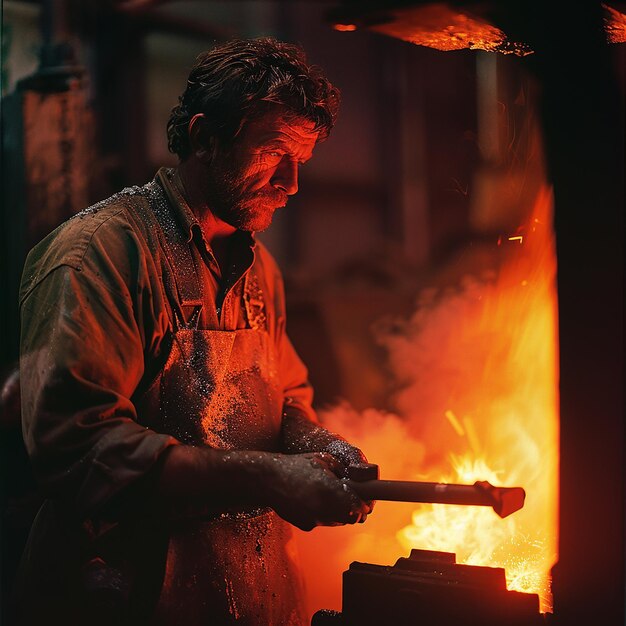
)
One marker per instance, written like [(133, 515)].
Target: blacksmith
[(167, 416)]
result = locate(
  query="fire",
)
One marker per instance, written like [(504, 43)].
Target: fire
[(510, 436), (477, 366), (478, 537)]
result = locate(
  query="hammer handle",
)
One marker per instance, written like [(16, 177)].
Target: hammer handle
[(363, 479), (410, 491)]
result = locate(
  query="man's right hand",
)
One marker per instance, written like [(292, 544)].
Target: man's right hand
[(304, 490)]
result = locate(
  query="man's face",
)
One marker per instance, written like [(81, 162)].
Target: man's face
[(253, 178)]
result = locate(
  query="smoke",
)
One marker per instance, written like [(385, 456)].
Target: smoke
[(428, 359), (475, 367), (325, 553)]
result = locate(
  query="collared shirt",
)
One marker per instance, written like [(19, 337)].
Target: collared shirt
[(95, 327), (215, 285)]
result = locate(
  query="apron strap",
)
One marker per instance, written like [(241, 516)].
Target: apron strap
[(254, 301), (187, 288)]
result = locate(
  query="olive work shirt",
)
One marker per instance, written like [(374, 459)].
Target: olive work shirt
[(95, 329)]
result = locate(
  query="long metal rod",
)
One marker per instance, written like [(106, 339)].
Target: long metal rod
[(504, 500)]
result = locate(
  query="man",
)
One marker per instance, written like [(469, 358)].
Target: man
[(166, 413)]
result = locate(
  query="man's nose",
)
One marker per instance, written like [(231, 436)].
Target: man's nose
[(285, 176)]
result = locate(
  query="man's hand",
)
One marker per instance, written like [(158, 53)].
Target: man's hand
[(302, 435), (304, 489), (346, 454)]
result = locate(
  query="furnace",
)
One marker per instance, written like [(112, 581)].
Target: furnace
[(567, 55)]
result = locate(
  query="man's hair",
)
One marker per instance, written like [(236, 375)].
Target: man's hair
[(237, 80)]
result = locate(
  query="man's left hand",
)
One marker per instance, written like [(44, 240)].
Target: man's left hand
[(301, 435)]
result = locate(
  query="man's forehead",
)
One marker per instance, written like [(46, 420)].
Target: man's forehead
[(281, 125)]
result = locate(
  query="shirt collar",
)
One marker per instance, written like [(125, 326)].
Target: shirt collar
[(169, 180), (173, 187)]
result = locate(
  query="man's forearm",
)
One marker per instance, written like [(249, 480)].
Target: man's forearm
[(190, 475), (302, 488), (300, 434)]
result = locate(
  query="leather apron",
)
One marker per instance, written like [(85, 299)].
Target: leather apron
[(220, 388)]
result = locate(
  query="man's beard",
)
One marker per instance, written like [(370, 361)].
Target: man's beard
[(245, 210)]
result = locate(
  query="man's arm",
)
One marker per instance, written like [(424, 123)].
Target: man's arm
[(302, 488), (82, 357), (301, 430), (86, 325), (300, 434)]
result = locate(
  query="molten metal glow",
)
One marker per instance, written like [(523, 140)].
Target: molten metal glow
[(509, 426)]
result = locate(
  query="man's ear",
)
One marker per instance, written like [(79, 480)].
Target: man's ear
[(203, 145)]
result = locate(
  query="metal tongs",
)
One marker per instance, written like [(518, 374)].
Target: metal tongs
[(363, 479)]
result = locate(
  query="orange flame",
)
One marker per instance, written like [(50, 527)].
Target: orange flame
[(479, 402), (511, 432)]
